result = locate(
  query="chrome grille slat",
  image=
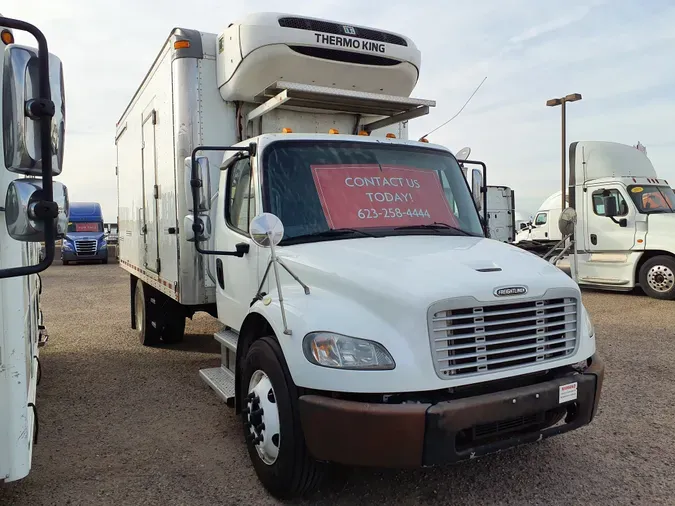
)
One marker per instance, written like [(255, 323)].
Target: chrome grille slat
[(470, 338), (505, 312), (503, 322), (503, 360), (500, 332), (510, 349)]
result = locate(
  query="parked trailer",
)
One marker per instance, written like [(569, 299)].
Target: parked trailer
[(266, 177), (34, 211)]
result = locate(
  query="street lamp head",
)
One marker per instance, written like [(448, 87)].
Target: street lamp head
[(573, 97), (554, 101)]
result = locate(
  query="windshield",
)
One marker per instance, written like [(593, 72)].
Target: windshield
[(365, 189), (85, 226), (653, 199)]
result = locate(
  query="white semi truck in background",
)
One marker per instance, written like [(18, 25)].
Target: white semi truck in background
[(34, 209), (266, 177), (625, 220)]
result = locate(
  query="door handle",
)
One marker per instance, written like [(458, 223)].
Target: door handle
[(219, 273), (545, 234), (594, 239)]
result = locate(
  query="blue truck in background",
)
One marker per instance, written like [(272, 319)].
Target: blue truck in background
[(85, 239)]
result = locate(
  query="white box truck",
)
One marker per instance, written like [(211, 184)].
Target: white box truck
[(33, 210), (625, 215), (266, 177)]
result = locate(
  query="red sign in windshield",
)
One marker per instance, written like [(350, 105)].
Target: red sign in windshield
[(357, 196), (86, 227)]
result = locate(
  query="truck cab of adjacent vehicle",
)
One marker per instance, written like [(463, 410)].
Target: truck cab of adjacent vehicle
[(85, 239)]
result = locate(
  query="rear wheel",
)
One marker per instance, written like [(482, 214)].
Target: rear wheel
[(271, 422), (174, 329), (147, 333), (657, 277)]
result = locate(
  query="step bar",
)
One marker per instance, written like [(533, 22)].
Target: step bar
[(221, 379)]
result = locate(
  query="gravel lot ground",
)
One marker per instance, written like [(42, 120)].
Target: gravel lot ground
[(122, 424)]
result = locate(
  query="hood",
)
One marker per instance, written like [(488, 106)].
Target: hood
[(420, 268), (79, 236)]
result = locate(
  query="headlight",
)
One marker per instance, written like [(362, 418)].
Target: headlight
[(589, 324), (342, 352), (66, 244)]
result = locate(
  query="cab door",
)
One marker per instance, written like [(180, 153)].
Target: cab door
[(541, 224), (602, 234), (237, 278)]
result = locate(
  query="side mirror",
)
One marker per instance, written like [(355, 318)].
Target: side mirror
[(203, 191), (611, 209), (204, 228), (21, 210), (266, 230), (20, 124), (476, 185)]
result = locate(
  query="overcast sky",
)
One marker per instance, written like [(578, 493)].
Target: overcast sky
[(618, 55)]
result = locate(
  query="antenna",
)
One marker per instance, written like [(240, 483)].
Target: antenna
[(458, 112)]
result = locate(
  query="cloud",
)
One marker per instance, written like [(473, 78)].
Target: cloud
[(616, 54)]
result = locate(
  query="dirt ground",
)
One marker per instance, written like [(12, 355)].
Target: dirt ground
[(121, 424)]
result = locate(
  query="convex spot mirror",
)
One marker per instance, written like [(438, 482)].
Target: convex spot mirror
[(204, 228), (266, 230), (20, 127), (567, 221), (21, 201), (203, 191)]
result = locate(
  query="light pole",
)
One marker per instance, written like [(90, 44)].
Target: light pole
[(552, 103)]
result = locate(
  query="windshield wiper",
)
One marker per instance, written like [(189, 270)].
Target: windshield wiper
[(434, 226), (334, 232)]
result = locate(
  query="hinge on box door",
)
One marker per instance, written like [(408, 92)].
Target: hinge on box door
[(154, 117), (155, 191), (159, 265), (117, 172)]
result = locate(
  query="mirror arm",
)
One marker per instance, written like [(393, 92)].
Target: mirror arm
[(41, 109), (196, 183)]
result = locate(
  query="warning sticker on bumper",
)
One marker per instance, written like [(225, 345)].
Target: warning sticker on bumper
[(567, 392)]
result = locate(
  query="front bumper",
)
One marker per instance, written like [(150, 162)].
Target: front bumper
[(423, 434), (73, 256)]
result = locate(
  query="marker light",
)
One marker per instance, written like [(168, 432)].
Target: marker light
[(363, 132), (391, 136), (424, 139), (181, 44), (333, 131), (7, 37), (286, 130)]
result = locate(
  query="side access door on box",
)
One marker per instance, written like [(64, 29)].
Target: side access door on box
[(150, 192)]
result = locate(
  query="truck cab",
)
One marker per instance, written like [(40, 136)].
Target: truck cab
[(266, 176), (85, 239)]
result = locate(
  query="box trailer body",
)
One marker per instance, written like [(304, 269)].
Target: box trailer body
[(33, 211), (258, 171)]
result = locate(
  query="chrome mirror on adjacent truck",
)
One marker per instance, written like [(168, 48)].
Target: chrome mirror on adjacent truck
[(202, 179), (33, 127), (22, 209)]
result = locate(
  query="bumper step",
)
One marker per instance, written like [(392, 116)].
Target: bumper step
[(221, 380)]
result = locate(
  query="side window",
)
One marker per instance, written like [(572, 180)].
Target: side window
[(240, 207), (599, 205), (540, 219)]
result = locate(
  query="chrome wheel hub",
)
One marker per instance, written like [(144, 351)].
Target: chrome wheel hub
[(660, 278), (262, 417)]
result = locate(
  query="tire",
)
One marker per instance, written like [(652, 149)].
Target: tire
[(292, 472), (657, 277), (104, 261), (147, 333), (65, 262), (174, 330)]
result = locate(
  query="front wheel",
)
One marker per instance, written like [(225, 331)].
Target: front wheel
[(272, 426), (657, 277)]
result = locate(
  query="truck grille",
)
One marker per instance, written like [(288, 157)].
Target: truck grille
[(85, 247), (469, 340)]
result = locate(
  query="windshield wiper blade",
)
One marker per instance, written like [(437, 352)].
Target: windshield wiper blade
[(334, 232), (433, 226)]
